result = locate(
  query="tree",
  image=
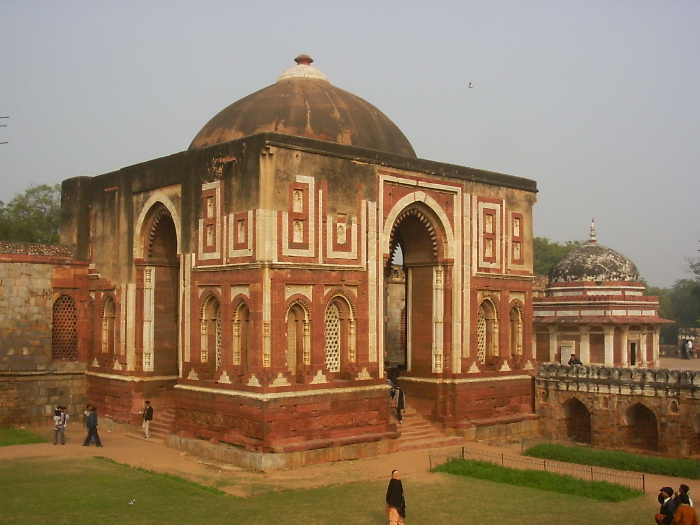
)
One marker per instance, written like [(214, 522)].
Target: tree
[(547, 253), (32, 216)]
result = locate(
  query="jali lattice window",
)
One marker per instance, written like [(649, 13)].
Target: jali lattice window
[(481, 334), (333, 338), (64, 344)]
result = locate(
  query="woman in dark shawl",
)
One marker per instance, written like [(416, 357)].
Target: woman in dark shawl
[(395, 504)]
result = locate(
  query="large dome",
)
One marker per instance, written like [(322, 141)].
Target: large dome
[(593, 262), (304, 103)]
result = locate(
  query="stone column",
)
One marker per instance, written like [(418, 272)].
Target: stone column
[(609, 332), (643, 357), (552, 344), (585, 345), (655, 347), (624, 351)]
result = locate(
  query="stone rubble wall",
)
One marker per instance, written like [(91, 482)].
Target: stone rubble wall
[(31, 383)]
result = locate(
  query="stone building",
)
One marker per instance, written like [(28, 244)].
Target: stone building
[(243, 285), (648, 409), (594, 306)]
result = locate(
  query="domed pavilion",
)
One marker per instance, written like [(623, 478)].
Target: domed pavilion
[(595, 308), (242, 285)]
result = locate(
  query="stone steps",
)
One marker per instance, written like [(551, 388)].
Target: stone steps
[(417, 433), (162, 423)]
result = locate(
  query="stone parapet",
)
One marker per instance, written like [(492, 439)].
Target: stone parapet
[(30, 248), (646, 381)]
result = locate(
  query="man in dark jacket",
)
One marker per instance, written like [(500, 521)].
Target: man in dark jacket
[(395, 503), (668, 506), (147, 418), (91, 424)]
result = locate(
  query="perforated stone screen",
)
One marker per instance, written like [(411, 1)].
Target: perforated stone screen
[(481, 334), (333, 338), (64, 344)]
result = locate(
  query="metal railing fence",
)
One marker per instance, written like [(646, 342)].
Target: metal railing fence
[(634, 480)]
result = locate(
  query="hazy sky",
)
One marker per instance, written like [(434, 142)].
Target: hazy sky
[(596, 101)]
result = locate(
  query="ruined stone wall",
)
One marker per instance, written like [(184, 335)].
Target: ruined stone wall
[(31, 383), (26, 306), (638, 408)]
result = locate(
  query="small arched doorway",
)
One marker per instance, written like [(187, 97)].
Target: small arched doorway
[(210, 350), (298, 354), (241, 338), (578, 421), (642, 428)]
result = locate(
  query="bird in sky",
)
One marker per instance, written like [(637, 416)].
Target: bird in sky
[(471, 85)]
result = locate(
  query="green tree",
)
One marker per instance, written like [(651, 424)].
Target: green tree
[(547, 253), (682, 305), (32, 216)]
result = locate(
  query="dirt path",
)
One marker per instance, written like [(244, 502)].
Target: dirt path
[(132, 449), (152, 454)]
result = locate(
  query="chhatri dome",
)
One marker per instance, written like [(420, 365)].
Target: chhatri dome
[(594, 262), (304, 103)]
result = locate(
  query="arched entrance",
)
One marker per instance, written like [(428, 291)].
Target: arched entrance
[(157, 275), (414, 279), (642, 428), (578, 421)]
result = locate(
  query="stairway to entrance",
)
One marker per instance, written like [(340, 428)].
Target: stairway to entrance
[(417, 433), (162, 423)]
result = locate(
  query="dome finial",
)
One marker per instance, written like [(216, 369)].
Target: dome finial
[(304, 60), (592, 239), (303, 69)]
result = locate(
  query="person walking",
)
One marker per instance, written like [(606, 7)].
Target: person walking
[(147, 418), (395, 502), (399, 397), (91, 424), (59, 428), (86, 413)]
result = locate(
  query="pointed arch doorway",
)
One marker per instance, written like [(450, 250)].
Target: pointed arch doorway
[(414, 278), (157, 277)]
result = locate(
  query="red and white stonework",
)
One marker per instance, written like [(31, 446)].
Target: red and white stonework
[(259, 282)]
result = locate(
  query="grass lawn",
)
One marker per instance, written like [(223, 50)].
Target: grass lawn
[(598, 490), (617, 459), (16, 436), (86, 490)]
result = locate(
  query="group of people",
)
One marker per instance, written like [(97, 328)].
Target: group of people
[(60, 420), (676, 507), (687, 350), (90, 422)]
